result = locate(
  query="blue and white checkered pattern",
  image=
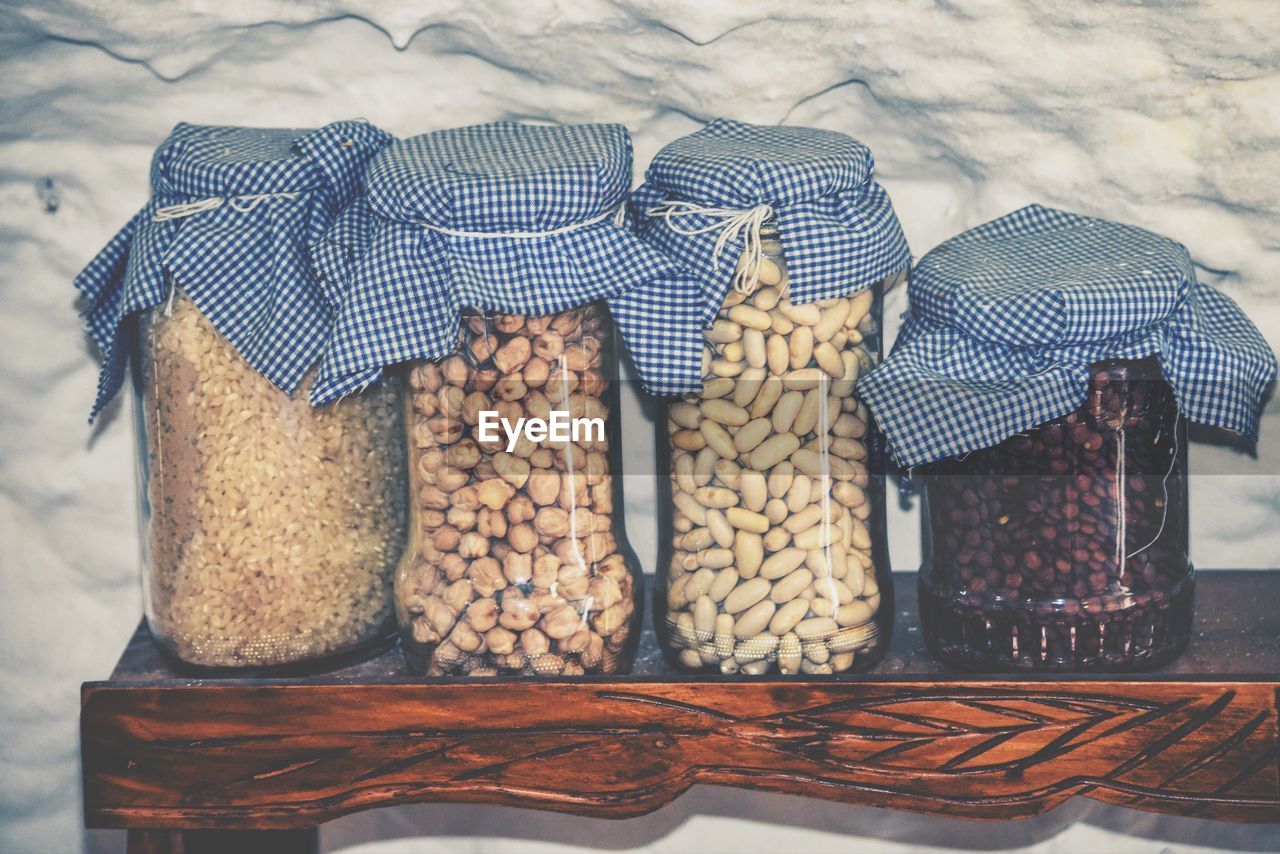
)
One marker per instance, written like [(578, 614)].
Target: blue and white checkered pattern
[(1006, 318), (246, 269), (405, 284), (837, 227)]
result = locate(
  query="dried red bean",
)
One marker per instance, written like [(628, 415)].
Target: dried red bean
[(1065, 547)]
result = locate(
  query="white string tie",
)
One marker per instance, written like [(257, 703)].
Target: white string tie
[(732, 225), (614, 214), (241, 204)]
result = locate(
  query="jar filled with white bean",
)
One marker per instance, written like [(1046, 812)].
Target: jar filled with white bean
[(778, 560)]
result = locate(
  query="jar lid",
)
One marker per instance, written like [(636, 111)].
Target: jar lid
[(1005, 320), (739, 165), (704, 201), (1040, 276), (502, 176), (837, 225), (229, 224), (498, 217)]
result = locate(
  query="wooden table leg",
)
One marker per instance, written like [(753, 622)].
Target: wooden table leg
[(223, 841), (155, 842)]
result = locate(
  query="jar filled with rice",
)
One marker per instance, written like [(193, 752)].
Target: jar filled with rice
[(270, 529)]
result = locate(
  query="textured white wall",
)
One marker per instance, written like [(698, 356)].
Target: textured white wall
[(1162, 114)]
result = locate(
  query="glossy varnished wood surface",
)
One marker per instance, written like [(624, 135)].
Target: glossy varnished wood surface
[(164, 749)]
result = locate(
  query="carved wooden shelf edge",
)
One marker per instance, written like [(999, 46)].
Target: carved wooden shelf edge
[(181, 758), (161, 751)]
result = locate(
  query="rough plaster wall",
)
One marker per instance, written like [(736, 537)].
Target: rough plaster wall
[(1162, 114)]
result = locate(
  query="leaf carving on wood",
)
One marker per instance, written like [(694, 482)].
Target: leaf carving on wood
[(967, 746), (981, 751)]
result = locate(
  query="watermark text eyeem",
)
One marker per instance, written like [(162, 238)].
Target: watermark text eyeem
[(558, 428)]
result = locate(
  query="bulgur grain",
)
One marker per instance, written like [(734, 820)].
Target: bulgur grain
[(272, 529)]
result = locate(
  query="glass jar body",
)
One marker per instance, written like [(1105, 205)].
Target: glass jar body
[(778, 559), (1065, 547), (517, 561), (270, 529)]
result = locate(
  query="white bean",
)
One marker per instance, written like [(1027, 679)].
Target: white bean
[(746, 594)]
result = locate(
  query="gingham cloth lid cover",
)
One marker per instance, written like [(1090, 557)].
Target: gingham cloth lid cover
[(243, 263), (837, 226), (1005, 320), (498, 217)]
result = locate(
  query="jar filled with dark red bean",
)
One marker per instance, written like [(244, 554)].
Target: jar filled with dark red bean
[(1065, 546), (1039, 386)]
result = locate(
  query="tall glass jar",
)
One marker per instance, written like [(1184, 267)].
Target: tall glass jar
[(778, 560), (517, 562), (1065, 547), (270, 529)]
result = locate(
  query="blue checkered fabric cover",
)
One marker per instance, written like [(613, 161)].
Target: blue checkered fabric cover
[(837, 227), (246, 270), (335, 251), (1005, 320), (404, 285)]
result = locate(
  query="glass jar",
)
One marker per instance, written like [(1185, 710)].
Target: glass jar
[(778, 560), (270, 529), (517, 563), (1065, 547)]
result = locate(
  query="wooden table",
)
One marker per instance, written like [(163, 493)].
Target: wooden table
[(166, 754)]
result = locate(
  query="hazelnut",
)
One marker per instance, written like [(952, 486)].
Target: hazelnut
[(517, 567), (473, 544), (486, 576), (482, 614), (494, 493), (522, 537), (561, 622), (500, 641), (549, 345), (454, 370), (535, 373), (543, 486), (512, 469), (552, 521), (513, 355)]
